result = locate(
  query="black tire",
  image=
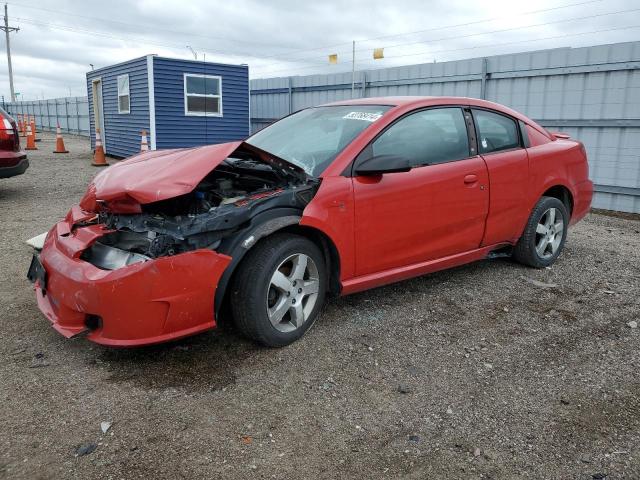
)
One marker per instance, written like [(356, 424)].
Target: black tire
[(252, 285), (525, 250)]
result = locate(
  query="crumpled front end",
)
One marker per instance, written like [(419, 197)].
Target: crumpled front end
[(146, 302), (139, 260)]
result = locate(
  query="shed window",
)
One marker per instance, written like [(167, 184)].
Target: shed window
[(202, 95), (123, 93)]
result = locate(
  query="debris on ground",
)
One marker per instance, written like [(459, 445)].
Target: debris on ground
[(538, 283), (105, 426), (39, 361), (403, 388), (85, 449)]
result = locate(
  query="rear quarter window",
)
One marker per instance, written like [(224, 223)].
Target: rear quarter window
[(495, 132)]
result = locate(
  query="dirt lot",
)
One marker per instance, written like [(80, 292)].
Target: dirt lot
[(476, 372)]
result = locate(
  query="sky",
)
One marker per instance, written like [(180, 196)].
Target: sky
[(59, 40)]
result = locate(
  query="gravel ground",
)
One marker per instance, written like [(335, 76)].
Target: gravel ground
[(476, 372)]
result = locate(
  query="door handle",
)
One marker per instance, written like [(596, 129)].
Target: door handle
[(470, 179)]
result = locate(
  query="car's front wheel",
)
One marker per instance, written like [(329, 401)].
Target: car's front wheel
[(279, 289), (545, 234)]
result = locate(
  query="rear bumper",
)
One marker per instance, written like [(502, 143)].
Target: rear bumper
[(582, 200), (10, 167), (141, 304)]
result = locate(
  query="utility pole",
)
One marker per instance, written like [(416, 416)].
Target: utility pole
[(7, 30)]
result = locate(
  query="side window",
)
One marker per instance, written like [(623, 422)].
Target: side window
[(123, 93), (495, 132), (427, 137)]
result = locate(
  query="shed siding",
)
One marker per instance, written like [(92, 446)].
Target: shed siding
[(175, 129), (122, 131)]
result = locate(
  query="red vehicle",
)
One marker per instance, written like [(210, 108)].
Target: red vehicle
[(13, 161), (327, 201)]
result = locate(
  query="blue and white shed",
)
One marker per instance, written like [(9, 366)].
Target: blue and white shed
[(180, 103)]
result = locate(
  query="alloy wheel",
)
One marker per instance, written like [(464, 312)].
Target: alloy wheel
[(293, 292), (549, 233)]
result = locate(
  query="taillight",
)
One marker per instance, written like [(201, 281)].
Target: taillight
[(9, 139)]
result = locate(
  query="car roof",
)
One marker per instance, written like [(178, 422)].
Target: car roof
[(421, 101), (409, 102)]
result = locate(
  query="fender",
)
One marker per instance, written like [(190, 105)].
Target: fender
[(549, 183), (237, 246)]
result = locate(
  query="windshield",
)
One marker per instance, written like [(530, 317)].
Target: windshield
[(313, 138)]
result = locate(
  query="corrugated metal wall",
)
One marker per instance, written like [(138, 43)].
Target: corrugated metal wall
[(592, 93), (122, 130), (72, 113)]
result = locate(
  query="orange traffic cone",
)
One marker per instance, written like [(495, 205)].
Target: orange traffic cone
[(144, 146), (23, 132), (98, 154), (31, 139), (59, 142), (19, 123), (33, 129)]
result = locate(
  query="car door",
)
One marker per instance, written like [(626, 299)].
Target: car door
[(436, 209), (501, 145)]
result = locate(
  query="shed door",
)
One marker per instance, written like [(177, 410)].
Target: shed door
[(98, 111)]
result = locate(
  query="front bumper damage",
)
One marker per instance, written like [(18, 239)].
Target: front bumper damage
[(140, 258), (148, 302)]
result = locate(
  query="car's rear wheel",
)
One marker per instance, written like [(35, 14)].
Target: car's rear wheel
[(545, 234), (279, 290)]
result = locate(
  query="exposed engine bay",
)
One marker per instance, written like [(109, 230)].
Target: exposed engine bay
[(222, 203)]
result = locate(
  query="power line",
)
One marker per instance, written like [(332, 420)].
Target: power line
[(544, 24), (471, 48), (139, 25), (476, 22), (284, 56), (456, 37), (84, 31), (517, 41), (181, 47)]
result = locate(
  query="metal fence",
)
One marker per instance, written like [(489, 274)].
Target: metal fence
[(71, 113), (592, 93)]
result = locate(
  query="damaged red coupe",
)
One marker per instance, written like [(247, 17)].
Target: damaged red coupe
[(330, 200)]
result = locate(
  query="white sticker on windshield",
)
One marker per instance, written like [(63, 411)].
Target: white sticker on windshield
[(366, 116)]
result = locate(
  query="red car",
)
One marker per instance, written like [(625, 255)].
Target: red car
[(13, 161), (330, 200)]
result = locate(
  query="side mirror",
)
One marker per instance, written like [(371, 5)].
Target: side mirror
[(381, 164)]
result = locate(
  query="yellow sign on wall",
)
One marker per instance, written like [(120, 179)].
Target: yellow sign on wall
[(333, 58)]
